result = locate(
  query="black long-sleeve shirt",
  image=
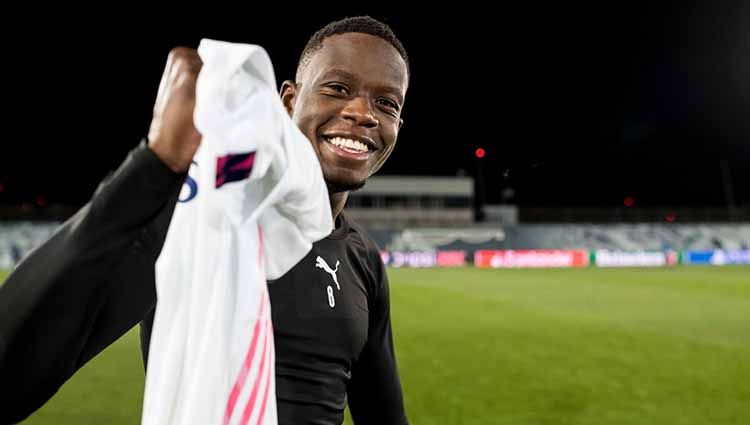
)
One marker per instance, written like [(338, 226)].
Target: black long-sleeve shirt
[(94, 279)]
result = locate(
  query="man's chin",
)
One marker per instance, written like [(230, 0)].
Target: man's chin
[(340, 185)]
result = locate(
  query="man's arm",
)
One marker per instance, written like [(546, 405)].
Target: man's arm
[(374, 392), (94, 278), (86, 286)]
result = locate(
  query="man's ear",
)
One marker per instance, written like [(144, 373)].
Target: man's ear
[(288, 95), (400, 123)]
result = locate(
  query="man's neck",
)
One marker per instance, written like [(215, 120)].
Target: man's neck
[(338, 200)]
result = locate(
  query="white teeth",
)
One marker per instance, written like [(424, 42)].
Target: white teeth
[(349, 143)]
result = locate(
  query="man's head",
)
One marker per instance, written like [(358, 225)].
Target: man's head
[(347, 99)]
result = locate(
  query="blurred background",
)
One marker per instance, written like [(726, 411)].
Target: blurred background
[(565, 185)]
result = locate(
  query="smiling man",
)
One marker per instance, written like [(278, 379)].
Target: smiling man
[(333, 330), (94, 279), (347, 99)]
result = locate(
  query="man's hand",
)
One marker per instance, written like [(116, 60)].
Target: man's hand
[(173, 136)]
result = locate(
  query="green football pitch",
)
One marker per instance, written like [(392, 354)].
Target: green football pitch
[(565, 346)]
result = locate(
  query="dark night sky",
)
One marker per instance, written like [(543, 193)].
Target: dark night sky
[(574, 105)]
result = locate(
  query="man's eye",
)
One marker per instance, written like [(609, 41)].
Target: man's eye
[(388, 103), (338, 88)]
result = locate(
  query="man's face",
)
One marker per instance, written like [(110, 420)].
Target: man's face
[(348, 102)]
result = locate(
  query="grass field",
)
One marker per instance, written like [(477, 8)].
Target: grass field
[(542, 347)]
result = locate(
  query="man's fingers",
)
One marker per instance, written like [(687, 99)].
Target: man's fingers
[(179, 77), (163, 85), (187, 58), (172, 135)]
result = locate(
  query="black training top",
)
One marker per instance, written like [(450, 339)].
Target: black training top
[(94, 280)]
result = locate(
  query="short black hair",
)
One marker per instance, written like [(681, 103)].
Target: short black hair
[(358, 24)]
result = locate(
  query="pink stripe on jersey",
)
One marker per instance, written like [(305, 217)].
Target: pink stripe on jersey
[(247, 364), (256, 385), (268, 378)]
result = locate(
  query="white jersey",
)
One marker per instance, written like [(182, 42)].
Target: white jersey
[(254, 203)]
